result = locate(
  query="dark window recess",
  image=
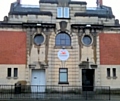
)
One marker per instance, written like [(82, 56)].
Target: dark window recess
[(63, 76), (108, 72), (9, 72), (15, 72), (63, 39), (114, 72)]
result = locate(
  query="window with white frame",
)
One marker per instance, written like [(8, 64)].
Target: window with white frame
[(12, 72), (15, 72), (114, 72), (63, 75), (63, 12)]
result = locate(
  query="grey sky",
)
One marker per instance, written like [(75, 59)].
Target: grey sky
[(5, 5)]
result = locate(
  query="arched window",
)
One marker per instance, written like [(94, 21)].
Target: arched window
[(63, 39)]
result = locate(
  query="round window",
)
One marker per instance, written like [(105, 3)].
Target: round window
[(87, 40), (38, 39)]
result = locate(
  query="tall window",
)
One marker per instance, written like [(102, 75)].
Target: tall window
[(114, 72), (9, 72), (63, 39), (63, 12), (108, 72), (63, 75), (15, 72)]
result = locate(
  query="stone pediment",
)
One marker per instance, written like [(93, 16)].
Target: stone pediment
[(87, 65), (43, 64), (40, 64)]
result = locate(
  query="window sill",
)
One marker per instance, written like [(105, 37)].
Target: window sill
[(15, 77), (63, 18), (108, 77), (61, 47), (63, 82), (114, 77), (9, 77)]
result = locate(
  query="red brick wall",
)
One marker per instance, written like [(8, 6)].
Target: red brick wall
[(12, 47), (109, 49)]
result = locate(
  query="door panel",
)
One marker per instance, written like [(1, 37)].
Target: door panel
[(87, 79), (38, 81)]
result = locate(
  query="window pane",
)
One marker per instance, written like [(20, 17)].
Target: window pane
[(66, 12), (15, 72), (108, 72), (62, 36), (58, 37), (9, 72), (114, 72), (63, 77), (57, 42), (59, 12), (68, 42), (64, 39), (63, 70), (63, 42), (38, 39), (67, 37), (87, 40)]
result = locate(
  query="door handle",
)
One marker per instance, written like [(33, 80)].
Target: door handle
[(35, 77)]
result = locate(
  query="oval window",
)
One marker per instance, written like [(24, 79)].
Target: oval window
[(87, 40), (38, 39)]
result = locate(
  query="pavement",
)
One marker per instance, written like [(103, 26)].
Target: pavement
[(42, 97)]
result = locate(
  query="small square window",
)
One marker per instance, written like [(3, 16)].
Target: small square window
[(15, 72), (9, 72), (108, 72), (63, 75), (114, 72), (63, 12)]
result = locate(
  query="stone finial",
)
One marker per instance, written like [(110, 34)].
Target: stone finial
[(19, 1)]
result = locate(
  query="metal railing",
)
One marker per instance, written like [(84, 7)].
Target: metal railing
[(47, 92)]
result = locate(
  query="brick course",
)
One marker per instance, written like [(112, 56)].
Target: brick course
[(109, 49), (12, 47)]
